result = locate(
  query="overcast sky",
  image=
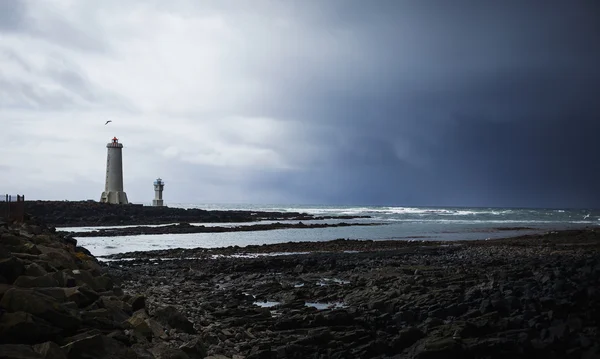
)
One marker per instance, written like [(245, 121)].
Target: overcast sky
[(462, 103)]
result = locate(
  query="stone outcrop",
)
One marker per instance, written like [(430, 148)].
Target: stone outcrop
[(91, 213), (535, 296), (56, 301)]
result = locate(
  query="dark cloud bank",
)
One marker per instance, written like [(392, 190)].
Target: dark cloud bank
[(492, 104), (461, 103)]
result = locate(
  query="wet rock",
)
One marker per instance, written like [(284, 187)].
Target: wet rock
[(161, 351), (18, 351), (40, 305), (437, 348), (82, 296), (195, 349), (98, 346), (35, 282), (171, 317), (137, 302), (21, 327), (406, 338), (34, 270), (11, 268), (50, 350)]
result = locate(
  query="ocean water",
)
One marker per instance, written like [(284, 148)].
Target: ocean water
[(402, 223)]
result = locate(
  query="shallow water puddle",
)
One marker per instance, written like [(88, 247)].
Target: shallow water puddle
[(323, 306), (266, 304), (327, 281)]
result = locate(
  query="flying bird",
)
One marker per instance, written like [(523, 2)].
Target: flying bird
[(107, 122)]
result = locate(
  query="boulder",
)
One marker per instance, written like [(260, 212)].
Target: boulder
[(83, 296), (18, 351), (433, 348), (139, 324), (98, 346), (24, 328), (161, 351), (4, 252), (171, 317), (103, 283), (34, 270), (137, 302), (84, 277), (114, 303), (405, 339), (59, 259), (40, 305), (36, 282), (50, 350), (195, 349), (11, 268), (64, 279), (4, 288)]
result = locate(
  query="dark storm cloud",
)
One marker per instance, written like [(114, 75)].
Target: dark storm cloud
[(388, 102), (490, 104)]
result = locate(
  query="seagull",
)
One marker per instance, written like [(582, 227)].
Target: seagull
[(107, 122)]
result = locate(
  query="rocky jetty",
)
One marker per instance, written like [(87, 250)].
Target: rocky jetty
[(91, 213), (534, 296), (57, 301), (188, 228)]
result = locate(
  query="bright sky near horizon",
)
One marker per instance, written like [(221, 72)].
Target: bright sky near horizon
[(333, 102)]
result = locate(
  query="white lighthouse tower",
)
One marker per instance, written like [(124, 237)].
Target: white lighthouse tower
[(158, 189), (113, 190)]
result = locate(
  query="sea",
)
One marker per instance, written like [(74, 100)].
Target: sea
[(393, 222)]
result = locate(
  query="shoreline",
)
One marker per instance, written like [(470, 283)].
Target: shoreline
[(331, 246), (524, 296), (186, 228), (533, 295)]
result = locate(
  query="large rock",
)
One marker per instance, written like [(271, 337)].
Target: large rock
[(24, 328), (138, 322), (405, 339), (171, 317), (18, 351), (50, 350), (97, 283), (137, 302), (36, 282), (64, 278), (82, 296), (43, 306), (195, 349), (433, 348), (164, 352), (59, 259), (11, 268), (34, 270), (98, 346)]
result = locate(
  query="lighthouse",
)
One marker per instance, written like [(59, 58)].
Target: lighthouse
[(158, 189), (113, 190)]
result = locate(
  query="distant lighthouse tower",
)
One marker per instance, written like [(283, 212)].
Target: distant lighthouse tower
[(158, 189), (113, 190)]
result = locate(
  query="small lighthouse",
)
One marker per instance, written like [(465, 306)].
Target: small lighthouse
[(113, 190), (158, 189)]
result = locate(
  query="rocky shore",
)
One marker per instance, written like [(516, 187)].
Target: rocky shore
[(91, 213), (188, 228), (534, 296), (527, 297), (57, 301)]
